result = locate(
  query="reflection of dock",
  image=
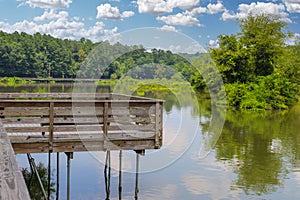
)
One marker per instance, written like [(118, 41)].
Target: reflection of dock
[(46, 123)]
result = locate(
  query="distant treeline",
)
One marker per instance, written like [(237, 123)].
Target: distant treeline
[(43, 56)]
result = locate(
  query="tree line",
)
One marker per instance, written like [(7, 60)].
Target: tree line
[(43, 56)]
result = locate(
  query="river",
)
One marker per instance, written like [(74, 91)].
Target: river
[(257, 156)]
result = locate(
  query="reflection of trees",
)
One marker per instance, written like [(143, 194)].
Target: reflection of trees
[(33, 184), (246, 143)]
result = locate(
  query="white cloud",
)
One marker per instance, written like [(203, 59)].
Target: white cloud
[(154, 6), (183, 4), (165, 6), (215, 8), (108, 12), (292, 6), (198, 10), (168, 28), (213, 43), (127, 14), (256, 9), (63, 28), (210, 9), (179, 19), (50, 15), (49, 4), (293, 40)]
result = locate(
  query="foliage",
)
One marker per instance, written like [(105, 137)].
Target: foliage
[(37, 55), (260, 72), (12, 81), (43, 56)]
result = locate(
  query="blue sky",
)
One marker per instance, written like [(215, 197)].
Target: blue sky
[(201, 20)]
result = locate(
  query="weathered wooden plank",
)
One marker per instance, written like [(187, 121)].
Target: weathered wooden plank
[(12, 184), (82, 137), (54, 95), (69, 111), (27, 129), (81, 143), (29, 111), (112, 96), (28, 120)]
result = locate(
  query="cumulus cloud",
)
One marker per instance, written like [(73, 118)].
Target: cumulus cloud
[(256, 9), (63, 28), (179, 19), (292, 6), (209, 9), (213, 43), (108, 12), (183, 4), (165, 6), (154, 6), (168, 28), (215, 8), (198, 10), (50, 15), (293, 39), (49, 4)]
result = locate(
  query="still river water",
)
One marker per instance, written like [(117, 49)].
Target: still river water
[(256, 157)]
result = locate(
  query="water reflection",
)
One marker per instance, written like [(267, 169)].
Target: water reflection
[(257, 145)]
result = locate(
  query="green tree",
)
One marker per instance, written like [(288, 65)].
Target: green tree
[(259, 70)]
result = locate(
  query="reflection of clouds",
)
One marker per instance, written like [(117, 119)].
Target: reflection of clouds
[(217, 186), (296, 176), (166, 192), (213, 178), (179, 132)]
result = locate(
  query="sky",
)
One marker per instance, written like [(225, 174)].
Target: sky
[(200, 20)]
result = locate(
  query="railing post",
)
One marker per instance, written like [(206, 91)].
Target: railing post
[(51, 123), (158, 125), (105, 123)]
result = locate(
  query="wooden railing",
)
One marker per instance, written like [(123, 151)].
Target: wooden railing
[(80, 122)]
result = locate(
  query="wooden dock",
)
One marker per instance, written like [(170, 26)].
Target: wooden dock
[(41, 123)]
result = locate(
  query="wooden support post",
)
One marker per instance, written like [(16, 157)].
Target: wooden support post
[(137, 176), (57, 175), (69, 157), (49, 175), (107, 175), (120, 175)]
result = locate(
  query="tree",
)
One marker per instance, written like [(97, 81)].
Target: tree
[(258, 69), (263, 37)]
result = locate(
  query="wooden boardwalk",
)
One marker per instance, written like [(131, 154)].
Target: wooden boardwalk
[(12, 184), (40, 123)]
